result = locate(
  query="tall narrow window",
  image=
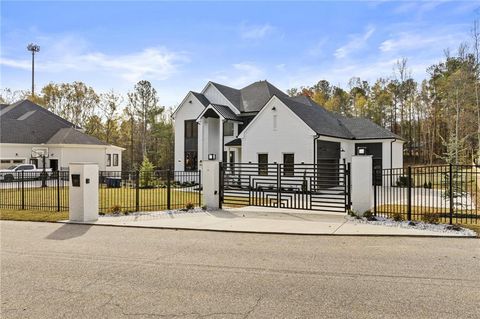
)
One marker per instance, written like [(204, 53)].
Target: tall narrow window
[(262, 164), (191, 145), (228, 128), (109, 159), (288, 164), (275, 122), (115, 159)]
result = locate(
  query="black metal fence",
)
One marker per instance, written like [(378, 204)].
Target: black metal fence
[(118, 191), (149, 191), (323, 187), (34, 190), (442, 193)]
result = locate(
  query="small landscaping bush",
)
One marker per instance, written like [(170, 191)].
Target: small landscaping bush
[(403, 181), (427, 185), (204, 207), (397, 216), (430, 218), (146, 173), (116, 209), (189, 206)]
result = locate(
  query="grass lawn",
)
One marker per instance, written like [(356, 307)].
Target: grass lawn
[(124, 198), (32, 215)]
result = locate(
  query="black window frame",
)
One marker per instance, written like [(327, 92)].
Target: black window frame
[(288, 168), (262, 164), (115, 159), (109, 160)]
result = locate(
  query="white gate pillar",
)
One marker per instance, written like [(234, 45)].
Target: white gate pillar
[(211, 184), (83, 191), (361, 188)]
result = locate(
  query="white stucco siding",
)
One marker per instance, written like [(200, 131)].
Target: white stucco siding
[(215, 97), (190, 109), (291, 135), (397, 154)]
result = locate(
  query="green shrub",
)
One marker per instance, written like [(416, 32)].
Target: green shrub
[(116, 209), (427, 185), (146, 173), (430, 218), (397, 216), (189, 206), (403, 181), (204, 207), (368, 214)]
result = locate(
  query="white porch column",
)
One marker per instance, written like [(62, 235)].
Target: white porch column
[(220, 138), (83, 191), (211, 184), (361, 188), (200, 141)]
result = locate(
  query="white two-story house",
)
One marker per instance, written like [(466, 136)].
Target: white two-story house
[(261, 124)]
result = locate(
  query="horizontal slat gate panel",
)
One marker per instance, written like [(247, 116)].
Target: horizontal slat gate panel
[(297, 186)]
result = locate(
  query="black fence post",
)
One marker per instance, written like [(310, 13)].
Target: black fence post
[(375, 172), (58, 191), (23, 190), (199, 188), (409, 194), (137, 191), (169, 189), (349, 186), (451, 192), (221, 184), (279, 184)]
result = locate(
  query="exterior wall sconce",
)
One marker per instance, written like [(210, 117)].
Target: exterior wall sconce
[(362, 151), (274, 108), (212, 157)]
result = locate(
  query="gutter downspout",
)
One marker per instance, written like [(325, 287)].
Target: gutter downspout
[(391, 159), (315, 148)]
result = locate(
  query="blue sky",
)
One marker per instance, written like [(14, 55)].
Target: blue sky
[(180, 46)]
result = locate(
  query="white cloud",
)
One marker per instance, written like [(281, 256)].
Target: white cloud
[(357, 42), (405, 41), (255, 32), (67, 53)]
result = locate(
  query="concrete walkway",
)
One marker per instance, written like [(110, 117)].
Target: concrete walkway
[(262, 220)]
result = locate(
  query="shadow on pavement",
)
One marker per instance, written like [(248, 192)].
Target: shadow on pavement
[(69, 231)]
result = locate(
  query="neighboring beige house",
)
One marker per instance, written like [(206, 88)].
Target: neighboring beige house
[(27, 129)]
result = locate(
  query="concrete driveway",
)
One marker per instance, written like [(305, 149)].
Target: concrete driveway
[(54, 271), (263, 220)]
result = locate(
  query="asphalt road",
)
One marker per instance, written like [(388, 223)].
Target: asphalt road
[(76, 271)]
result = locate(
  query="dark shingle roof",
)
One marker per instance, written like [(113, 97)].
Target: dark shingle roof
[(324, 122), (226, 112), (201, 98), (363, 128), (252, 97), (235, 142), (25, 122), (317, 118), (70, 135)]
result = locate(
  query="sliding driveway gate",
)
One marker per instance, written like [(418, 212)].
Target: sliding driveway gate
[(323, 187)]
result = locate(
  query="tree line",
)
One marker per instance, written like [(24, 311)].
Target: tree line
[(136, 122), (439, 117)]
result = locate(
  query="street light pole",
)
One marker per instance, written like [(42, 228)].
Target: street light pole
[(33, 48)]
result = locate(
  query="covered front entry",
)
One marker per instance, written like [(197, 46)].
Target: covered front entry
[(322, 187)]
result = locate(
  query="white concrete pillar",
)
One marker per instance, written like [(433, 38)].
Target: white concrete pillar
[(361, 188), (211, 183), (83, 192), (220, 139)]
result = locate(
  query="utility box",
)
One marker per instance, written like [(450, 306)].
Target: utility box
[(83, 192)]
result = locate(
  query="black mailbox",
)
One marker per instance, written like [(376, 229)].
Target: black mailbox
[(76, 180)]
